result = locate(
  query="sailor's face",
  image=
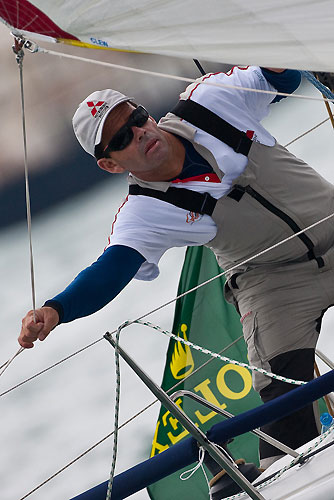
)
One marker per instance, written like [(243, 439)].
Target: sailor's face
[(146, 152)]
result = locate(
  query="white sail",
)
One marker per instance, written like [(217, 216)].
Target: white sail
[(290, 33)]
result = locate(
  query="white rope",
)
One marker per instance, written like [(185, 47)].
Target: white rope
[(200, 465), (41, 50)]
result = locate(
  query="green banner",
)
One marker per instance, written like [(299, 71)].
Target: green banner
[(205, 318)]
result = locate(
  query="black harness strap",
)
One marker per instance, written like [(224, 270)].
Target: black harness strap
[(211, 123), (183, 198)]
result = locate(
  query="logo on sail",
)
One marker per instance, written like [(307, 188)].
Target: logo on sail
[(182, 363)]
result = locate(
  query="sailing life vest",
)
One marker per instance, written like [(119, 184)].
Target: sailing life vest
[(276, 196)]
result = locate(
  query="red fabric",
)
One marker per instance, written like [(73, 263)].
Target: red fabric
[(25, 16), (200, 178)]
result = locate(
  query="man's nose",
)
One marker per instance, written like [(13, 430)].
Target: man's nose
[(138, 133)]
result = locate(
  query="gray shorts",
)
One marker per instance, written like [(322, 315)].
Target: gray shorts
[(281, 307)]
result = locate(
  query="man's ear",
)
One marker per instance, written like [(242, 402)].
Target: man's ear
[(110, 165)]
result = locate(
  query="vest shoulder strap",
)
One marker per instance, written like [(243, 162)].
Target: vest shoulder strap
[(203, 118)]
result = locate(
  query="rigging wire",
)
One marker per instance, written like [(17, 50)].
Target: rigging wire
[(307, 132), (41, 50), (118, 392), (5, 365), (17, 48), (91, 448), (18, 51), (200, 67), (49, 367)]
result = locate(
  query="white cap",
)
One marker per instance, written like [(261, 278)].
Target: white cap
[(91, 114)]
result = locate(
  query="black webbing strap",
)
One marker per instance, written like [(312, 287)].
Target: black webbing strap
[(180, 197), (211, 123)]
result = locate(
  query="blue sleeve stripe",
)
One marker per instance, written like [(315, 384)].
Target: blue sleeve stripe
[(287, 81), (98, 284)]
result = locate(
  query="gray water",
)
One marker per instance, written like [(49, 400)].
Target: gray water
[(49, 421)]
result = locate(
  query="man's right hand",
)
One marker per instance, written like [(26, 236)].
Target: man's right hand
[(47, 319)]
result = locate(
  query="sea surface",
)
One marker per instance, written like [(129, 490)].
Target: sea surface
[(49, 421)]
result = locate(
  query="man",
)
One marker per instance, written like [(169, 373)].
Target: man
[(195, 179)]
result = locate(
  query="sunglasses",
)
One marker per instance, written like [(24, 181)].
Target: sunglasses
[(124, 136)]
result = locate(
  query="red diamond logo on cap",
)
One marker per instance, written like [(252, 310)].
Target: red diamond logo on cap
[(94, 106)]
